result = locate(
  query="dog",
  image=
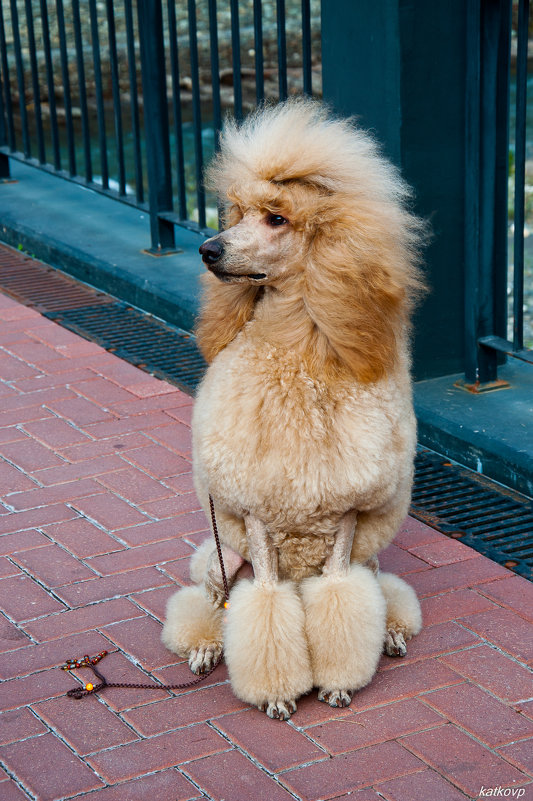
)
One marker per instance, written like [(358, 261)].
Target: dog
[(303, 427)]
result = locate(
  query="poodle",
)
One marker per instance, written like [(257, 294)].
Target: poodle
[(303, 427)]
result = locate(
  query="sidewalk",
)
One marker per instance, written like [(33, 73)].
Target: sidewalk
[(98, 240), (98, 522)]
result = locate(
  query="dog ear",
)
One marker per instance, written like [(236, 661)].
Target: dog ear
[(225, 309), (358, 293)]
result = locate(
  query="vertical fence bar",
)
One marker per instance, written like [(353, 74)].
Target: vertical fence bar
[(150, 18), (215, 81), (176, 108), (86, 134), (134, 103), (35, 83), (4, 160), (520, 170), (215, 69), (258, 47), (50, 85), (494, 148), (472, 170), (197, 114), (306, 48), (26, 146), (115, 88), (236, 59), (10, 132), (486, 153), (100, 111), (66, 87), (502, 90), (282, 49)]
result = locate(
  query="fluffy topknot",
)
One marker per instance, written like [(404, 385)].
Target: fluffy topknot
[(299, 139)]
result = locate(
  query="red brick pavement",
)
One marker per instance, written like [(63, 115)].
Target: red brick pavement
[(98, 519)]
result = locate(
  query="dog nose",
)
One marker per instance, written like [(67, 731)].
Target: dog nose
[(211, 251)]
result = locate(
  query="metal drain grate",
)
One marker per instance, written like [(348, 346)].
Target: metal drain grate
[(493, 520), (150, 344), (44, 288), (489, 518), (163, 350)]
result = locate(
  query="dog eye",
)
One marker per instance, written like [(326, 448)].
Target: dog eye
[(276, 219)]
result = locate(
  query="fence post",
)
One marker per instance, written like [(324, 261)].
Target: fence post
[(486, 163), (4, 160), (400, 66), (361, 58), (156, 123)]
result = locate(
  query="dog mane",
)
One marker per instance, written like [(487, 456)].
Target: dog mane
[(360, 278)]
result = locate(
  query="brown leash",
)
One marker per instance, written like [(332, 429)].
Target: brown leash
[(91, 662)]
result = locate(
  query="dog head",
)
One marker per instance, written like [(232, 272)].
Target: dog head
[(312, 209)]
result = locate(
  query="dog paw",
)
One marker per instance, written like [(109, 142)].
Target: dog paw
[(338, 698), (279, 710), (394, 643), (202, 659)]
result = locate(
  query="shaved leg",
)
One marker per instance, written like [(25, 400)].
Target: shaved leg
[(263, 554), (345, 621), (338, 564), (265, 644), (338, 561)]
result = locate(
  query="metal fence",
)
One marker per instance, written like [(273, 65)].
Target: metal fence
[(497, 58), (128, 96)]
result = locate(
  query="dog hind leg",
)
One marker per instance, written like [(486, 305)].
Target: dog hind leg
[(404, 616), (345, 621), (193, 628), (193, 625), (265, 646)]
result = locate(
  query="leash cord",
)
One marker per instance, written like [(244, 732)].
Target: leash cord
[(91, 662), (219, 547)]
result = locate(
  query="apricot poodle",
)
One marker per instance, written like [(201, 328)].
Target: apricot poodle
[(303, 428)]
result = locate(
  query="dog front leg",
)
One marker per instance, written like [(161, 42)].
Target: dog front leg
[(265, 645), (263, 554), (345, 621), (338, 561)]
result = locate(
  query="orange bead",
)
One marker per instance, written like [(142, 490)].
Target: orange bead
[(89, 687)]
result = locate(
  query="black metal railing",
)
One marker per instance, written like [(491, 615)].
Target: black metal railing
[(128, 96), (75, 95), (496, 60)]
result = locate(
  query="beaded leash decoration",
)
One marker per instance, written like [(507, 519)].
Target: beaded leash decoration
[(91, 661), (91, 689)]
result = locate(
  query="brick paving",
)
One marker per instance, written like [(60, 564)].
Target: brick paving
[(98, 519)]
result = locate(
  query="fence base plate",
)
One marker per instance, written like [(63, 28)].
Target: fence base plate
[(477, 388), (158, 252)]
